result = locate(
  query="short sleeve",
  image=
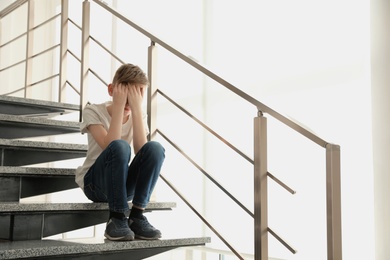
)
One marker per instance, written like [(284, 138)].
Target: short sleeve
[(90, 117)]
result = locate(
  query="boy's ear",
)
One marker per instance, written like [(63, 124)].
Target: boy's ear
[(109, 89)]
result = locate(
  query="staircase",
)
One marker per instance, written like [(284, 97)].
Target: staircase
[(26, 226)]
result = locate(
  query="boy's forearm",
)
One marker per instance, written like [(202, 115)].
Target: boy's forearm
[(115, 130), (139, 134)]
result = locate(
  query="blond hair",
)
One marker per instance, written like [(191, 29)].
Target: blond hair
[(130, 74)]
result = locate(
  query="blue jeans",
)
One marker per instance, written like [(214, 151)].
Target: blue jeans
[(111, 179)]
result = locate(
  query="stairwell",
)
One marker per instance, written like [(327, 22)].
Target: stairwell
[(35, 134), (25, 226)]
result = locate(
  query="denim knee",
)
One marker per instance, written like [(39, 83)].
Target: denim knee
[(121, 149), (155, 150)]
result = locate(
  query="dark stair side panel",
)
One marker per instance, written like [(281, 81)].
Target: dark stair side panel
[(10, 188), (22, 182), (33, 186), (36, 221), (22, 152), (27, 227), (136, 254), (13, 130), (34, 107), (20, 157), (35, 226), (28, 110), (61, 223)]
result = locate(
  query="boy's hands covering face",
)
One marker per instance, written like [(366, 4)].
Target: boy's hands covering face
[(135, 96), (119, 95)]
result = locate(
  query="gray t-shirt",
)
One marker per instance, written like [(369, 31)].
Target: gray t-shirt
[(97, 114)]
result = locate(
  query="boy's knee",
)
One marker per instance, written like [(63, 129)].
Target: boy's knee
[(121, 147), (155, 149)]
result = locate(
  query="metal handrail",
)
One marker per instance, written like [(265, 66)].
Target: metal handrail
[(202, 218), (243, 155), (205, 173), (260, 153), (107, 50), (282, 241), (15, 5), (13, 40), (31, 57), (261, 107)]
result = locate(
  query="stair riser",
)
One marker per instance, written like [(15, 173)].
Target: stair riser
[(128, 255), (21, 222), (36, 226), (17, 109), (21, 106), (17, 156), (19, 130), (12, 189)]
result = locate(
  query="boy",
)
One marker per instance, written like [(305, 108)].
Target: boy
[(106, 175)]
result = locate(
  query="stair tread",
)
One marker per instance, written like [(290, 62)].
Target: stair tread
[(20, 208), (40, 144), (35, 171), (40, 248)]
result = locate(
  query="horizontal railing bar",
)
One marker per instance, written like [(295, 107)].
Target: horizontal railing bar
[(71, 85), (202, 218), (43, 80), (44, 51), (31, 57), (97, 76), (75, 24), (292, 250), (260, 106), (74, 55), (281, 183), (218, 251), (13, 40), (107, 50), (13, 65), (23, 34), (14, 91), (206, 174), (206, 127), (44, 22), (15, 5)]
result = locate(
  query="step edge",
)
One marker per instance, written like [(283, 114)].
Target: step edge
[(39, 103), (41, 144), (104, 246), (27, 208), (35, 171), (39, 121)]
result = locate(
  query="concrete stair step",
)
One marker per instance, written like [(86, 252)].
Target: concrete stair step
[(12, 127), (96, 248), (21, 152), (35, 221), (33, 107), (22, 182)]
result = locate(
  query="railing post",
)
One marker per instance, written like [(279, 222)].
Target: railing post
[(152, 90), (63, 50), (333, 202), (29, 48), (260, 188), (84, 55)]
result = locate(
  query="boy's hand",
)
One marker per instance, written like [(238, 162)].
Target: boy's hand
[(135, 96), (119, 95)]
